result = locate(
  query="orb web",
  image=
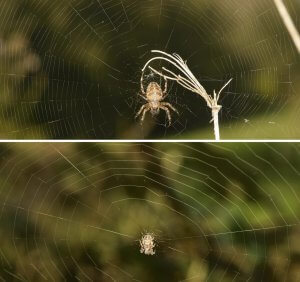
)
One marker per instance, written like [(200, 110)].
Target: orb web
[(71, 69), (217, 211)]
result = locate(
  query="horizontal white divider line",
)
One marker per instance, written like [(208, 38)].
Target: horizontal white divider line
[(148, 141)]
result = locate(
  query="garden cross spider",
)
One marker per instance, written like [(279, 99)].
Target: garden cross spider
[(147, 244), (154, 95)]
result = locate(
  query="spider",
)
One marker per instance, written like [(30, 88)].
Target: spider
[(147, 244), (154, 95)]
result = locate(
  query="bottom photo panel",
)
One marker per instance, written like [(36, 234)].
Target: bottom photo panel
[(150, 212)]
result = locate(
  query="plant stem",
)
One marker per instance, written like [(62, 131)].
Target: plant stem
[(215, 119), (290, 26)]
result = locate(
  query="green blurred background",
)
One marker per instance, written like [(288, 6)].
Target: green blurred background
[(71, 69), (219, 212)]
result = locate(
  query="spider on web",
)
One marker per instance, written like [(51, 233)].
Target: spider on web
[(147, 244), (154, 95)]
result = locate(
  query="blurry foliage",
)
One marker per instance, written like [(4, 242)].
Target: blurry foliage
[(71, 69), (77, 211)]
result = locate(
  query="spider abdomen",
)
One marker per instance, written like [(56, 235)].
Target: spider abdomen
[(154, 92), (153, 87), (154, 96)]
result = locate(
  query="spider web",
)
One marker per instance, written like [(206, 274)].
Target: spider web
[(219, 212), (71, 69)]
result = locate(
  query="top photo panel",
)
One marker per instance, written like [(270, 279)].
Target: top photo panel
[(150, 69)]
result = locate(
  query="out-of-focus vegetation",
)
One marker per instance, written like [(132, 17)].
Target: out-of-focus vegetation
[(71, 69), (220, 212)]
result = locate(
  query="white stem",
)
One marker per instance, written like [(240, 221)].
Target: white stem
[(194, 83), (288, 23), (183, 66), (181, 80), (179, 64), (215, 118)]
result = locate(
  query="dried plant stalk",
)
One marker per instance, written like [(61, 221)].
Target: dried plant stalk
[(187, 80), (290, 26)]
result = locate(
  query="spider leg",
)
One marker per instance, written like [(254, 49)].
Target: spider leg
[(140, 111), (144, 113), (170, 106), (166, 85), (165, 89), (164, 96), (143, 96), (142, 87), (167, 112)]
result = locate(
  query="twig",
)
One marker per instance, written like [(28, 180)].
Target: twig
[(290, 26), (187, 80)]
